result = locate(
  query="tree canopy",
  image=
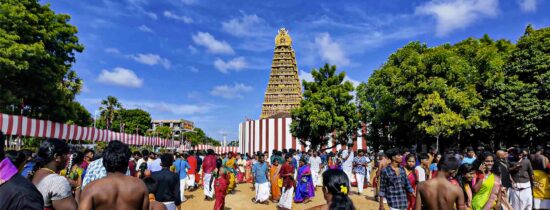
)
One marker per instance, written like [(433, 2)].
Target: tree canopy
[(37, 50), (135, 121), (524, 99), (477, 90), (327, 109)]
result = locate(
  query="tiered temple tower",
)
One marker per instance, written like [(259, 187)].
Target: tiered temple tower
[(284, 91)]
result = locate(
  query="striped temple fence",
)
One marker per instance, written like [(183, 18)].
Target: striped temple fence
[(16, 125), (274, 133)]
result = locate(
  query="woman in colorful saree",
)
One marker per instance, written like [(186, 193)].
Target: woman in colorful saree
[(487, 184), (304, 188), (248, 169), (230, 168), (274, 172), (466, 174)]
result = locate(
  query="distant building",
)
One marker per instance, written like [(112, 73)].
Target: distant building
[(178, 126)]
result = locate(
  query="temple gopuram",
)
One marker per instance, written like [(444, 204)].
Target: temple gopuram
[(284, 91)]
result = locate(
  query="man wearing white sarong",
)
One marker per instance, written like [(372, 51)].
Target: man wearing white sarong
[(181, 168), (521, 195), (261, 182), (285, 202), (315, 166), (208, 166), (347, 163)]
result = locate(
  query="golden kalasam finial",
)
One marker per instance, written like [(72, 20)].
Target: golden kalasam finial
[(283, 39)]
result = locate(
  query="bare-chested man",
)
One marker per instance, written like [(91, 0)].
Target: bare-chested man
[(116, 190), (440, 193)]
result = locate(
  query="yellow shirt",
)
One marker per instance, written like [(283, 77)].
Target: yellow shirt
[(541, 189)]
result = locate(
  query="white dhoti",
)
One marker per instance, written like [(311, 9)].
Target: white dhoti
[(315, 178), (286, 198), (262, 191), (350, 176), (170, 205), (190, 180), (208, 188), (521, 196), (360, 181), (182, 188)]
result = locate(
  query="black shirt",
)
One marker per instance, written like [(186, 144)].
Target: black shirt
[(504, 167), (20, 193), (168, 186)]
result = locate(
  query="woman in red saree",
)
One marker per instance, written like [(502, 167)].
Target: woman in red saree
[(248, 169), (411, 176)]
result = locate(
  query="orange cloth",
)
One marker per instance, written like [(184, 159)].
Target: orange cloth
[(275, 189)]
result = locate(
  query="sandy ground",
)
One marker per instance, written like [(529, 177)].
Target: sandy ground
[(241, 200)]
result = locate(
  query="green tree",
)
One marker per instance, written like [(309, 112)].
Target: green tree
[(423, 93), (327, 108), (37, 50), (81, 115), (164, 132), (525, 95), (134, 120), (109, 108)]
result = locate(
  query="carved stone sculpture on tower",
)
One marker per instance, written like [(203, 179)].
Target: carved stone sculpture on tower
[(284, 91)]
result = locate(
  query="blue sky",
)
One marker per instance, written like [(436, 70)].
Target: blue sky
[(209, 60)]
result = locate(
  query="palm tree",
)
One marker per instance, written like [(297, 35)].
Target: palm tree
[(108, 109)]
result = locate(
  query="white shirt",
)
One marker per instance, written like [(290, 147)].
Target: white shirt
[(347, 165), (314, 163), (420, 173), (154, 165), (139, 162)]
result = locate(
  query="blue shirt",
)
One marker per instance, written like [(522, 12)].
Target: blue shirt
[(294, 163), (394, 187), (468, 160), (260, 170), (96, 171), (181, 167), (359, 168), (27, 169)]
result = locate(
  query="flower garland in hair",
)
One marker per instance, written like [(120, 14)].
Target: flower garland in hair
[(69, 166), (344, 189)]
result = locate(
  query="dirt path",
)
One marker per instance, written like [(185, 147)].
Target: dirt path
[(241, 200)]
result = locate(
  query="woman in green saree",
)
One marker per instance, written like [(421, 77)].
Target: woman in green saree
[(487, 184)]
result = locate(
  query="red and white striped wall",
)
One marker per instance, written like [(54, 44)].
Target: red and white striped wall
[(269, 134), (23, 126)]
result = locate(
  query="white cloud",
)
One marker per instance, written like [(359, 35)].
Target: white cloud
[(181, 18), (457, 14), (528, 5), (193, 49), (230, 92), (169, 108), (151, 59), (193, 69), (120, 77), (193, 95), (355, 83), (309, 78), (151, 15), (236, 64), (305, 76), (144, 28), (247, 25), (331, 51), (212, 45), (112, 50)]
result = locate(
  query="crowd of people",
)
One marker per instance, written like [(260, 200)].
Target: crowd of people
[(58, 177)]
